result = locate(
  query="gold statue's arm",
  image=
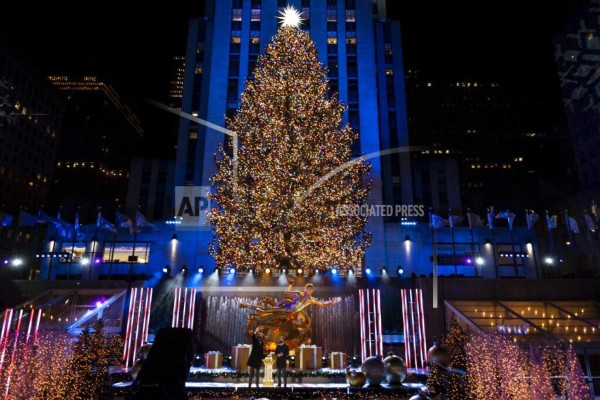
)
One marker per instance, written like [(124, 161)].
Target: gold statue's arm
[(326, 303), (289, 290)]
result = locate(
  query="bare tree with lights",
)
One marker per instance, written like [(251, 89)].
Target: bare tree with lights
[(290, 136)]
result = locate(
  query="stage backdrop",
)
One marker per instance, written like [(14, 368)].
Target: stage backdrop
[(223, 324)]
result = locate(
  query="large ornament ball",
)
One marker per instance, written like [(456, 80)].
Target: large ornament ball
[(355, 379), (374, 369), (438, 355), (395, 369)]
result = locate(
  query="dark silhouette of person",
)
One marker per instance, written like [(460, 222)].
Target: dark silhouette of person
[(282, 351), (256, 356)]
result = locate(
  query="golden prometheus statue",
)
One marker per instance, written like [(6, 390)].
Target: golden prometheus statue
[(286, 317)]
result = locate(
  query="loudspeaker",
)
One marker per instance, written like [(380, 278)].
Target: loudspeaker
[(166, 369)]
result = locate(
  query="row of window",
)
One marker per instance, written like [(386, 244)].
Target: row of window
[(118, 252)]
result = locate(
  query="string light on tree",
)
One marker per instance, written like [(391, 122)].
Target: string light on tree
[(290, 135)]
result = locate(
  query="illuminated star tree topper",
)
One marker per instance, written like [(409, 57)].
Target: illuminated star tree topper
[(290, 17)]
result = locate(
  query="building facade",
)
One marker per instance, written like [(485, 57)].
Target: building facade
[(363, 53), (99, 136)]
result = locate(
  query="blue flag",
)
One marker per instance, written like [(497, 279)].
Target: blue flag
[(105, 224), (438, 222), (5, 219)]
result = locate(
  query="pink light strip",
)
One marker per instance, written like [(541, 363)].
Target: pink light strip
[(424, 337), (192, 309), (407, 356), (37, 327), (145, 310), (379, 320), (183, 312), (137, 324), (12, 356), (5, 335), (149, 308), (369, 324), (363, 350), (5, 322), (413, 345), (126, 352)]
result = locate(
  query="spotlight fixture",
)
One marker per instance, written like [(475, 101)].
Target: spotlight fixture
[(549, 260), (351, 271), (299, 272), (488, 241), (383, 270), (368, 271), (479, 260), (184, 269), (174, 237), (232, 270), (400, 271), (17, 262), (268, 271), (201, 269), (85, 261), (252, 271), (334, 271), (528, 242), (282, 271), (407, 238), (167, 269)]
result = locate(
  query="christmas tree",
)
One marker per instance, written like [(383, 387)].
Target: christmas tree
[(87, 374), (275, 209)]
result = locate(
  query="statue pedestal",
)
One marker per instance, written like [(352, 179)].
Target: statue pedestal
[(268, 379)]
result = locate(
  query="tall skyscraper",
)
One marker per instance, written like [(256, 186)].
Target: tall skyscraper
[(577, 51), (31, 115), (99, 136), (501, 143), (176, 82), (363, 52)]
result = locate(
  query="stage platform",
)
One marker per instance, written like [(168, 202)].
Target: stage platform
[(223, 390), (325, 383)]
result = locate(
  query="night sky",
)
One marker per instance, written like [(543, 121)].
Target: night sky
[(507, 41)]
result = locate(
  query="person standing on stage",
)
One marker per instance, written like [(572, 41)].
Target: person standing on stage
[(282, 351), (256, 356)]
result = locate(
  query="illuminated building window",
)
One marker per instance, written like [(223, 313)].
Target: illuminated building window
[(193, 135), (255, 15), (255, 40), (389, 72), (351, 41), (237, 14), (75, 251), (198, 70), (121, 252), (350, 16), (235, 40), (331, 40)]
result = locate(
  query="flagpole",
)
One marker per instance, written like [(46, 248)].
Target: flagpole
[(453, 242), (472, 243), (552, 243), (529, 227), (570, 237), (434, 258), (491, 226), (512, 243), (112, 247), (595, 218), (134, 230)]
